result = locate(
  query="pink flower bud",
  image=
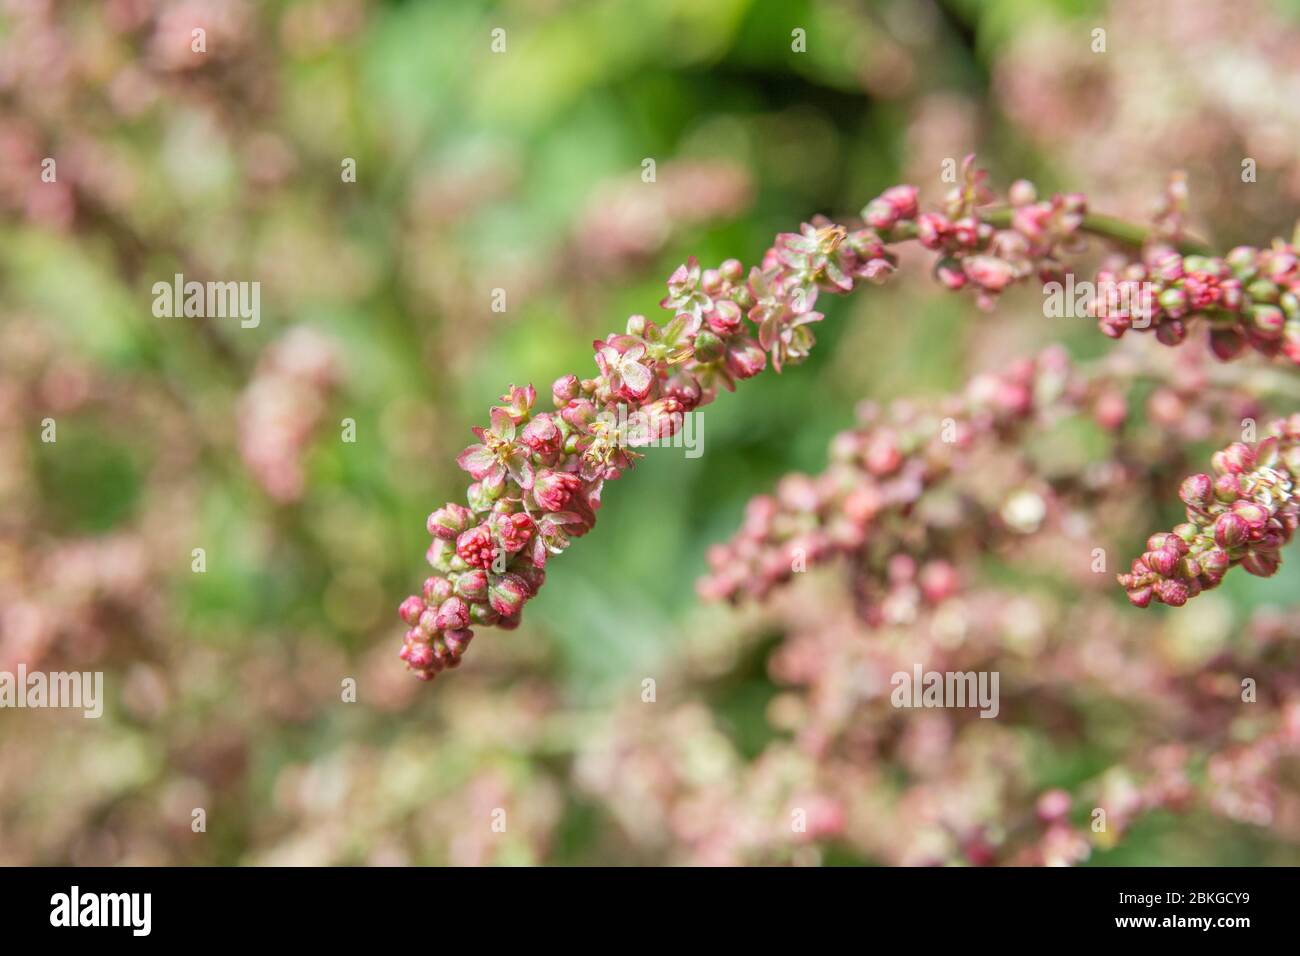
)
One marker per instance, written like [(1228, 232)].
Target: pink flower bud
[(1214, 561), (449, 521), (514, 531), (1172, 591), (417, 654), (1227, 488), (411, 610), (989, 272), (1267, 320), (1238, 458), (879, 214), (1111, 409), (725, 317), (1140, 597), (931, 230), (1162, 562), (949, 272), (1197, 491), (564, 390), (1022, 193), (1262, 564), (902, 199), (475, 547), (436, 590), (542, 436), (556, 490), (1251, 513), (745, 358), (1171, 332), (456, 641), (939, 581), (453, 614), (472, 585), (507, 594), (882, 456), (1053, 805), (483, 614), (1230, 531)]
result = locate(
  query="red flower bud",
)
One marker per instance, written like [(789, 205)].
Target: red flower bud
[(475, 547), (1262, 564), (1230, 531), (507, 594), (989, 272), (902, 199), (556, 490), (725, 317), (472, 585), (564, 390), (1162, 562), (932, 229), (411, 610), (1197, 491), (744, 357), (514, 531), (436, 590), (1140, 597), (1214, 562), (1227, 488), (1254, 515), (449, 521), (417, 654), (453, 614), (542, 436), (456, 642), (1238, 458), (1172, 591)]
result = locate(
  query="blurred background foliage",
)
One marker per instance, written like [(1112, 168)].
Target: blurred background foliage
[(478, 171)]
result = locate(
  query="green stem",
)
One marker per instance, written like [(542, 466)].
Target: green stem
[(1108, 227)]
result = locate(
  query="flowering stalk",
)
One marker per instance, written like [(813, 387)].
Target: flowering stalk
[(878, 473), (538, 477), (1242, 516)]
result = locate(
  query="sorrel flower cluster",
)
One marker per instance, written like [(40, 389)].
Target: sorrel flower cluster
[(877, 475), (1242, 516), (538, 477), (1250, 297)]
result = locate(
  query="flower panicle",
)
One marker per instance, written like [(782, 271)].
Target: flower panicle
[(538, 476), (1242, 515)]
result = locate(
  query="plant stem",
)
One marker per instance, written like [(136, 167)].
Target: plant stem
[(1109, 227)]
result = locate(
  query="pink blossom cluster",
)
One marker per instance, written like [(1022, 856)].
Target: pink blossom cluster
[(942, 787), (1242, 516), (538, 477), (1250, 297), (877, 474)]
